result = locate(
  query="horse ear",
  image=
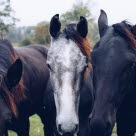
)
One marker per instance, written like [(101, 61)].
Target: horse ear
[(14, 73), (82, 27), (102, 23), (55, 25), (133, 30)]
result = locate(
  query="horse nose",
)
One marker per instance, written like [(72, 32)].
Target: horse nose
[(98, 127), (59, 129), (62, 129), (76, 128), (8, 116)]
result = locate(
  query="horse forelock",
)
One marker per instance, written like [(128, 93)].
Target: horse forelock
[(81, 42)]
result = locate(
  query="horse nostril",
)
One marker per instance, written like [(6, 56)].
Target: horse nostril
[(108, 125), (59, 128), (89, 121), (65, 130), (76, 128), (97, 127)]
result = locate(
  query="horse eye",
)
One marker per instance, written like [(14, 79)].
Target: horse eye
[(49, 67), (86, 65)]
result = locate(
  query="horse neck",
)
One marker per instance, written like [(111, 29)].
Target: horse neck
[(131, 82), (134, 78), (88, 81), (130, 96)]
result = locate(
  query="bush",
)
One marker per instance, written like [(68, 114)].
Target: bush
[(25, 42), (41, 35)]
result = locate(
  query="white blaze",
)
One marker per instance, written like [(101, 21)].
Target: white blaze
[(68, 54)]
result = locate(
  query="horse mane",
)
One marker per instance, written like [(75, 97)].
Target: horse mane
[(81, 42), (16, 94), (124, 30)]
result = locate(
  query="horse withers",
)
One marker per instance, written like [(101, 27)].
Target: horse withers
[(70, 75), (114, 77)]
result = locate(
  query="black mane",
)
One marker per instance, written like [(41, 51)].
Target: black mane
[(120, 28), (124, 30)]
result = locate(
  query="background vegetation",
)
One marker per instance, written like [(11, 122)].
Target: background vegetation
[(24, 36), (7, 18)]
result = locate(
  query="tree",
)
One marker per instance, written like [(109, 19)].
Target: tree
[(41, 35), (82, 9), (25, 42), (17, 34), (78, 9), (6, 16)]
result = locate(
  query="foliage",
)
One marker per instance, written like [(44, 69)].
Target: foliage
[(78, 9), (6, 16), (82, 9), (41, 35), (25, 42), (17, 34), (93, 34)]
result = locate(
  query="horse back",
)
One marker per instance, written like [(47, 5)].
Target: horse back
[(35, 73)]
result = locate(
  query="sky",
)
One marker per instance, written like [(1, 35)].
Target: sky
[(31, 12)]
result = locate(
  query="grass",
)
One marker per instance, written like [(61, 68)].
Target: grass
[(36, 127)]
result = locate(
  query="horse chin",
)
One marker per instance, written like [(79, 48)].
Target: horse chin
[(68, 128), (2, 132), (68, 133), (2, 129)]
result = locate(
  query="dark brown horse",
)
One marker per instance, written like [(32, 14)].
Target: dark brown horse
[(35, 76), (23, 79)]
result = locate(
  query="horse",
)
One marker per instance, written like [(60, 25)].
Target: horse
[(70, 92), (113, 60), (23, 79)]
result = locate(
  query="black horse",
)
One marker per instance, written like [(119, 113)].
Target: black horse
[(71, 92), (21, 93), (114, 77)]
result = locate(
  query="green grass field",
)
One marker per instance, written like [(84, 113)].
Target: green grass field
[(36, 127)]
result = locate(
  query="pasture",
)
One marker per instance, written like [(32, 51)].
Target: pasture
[(36, 127)]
